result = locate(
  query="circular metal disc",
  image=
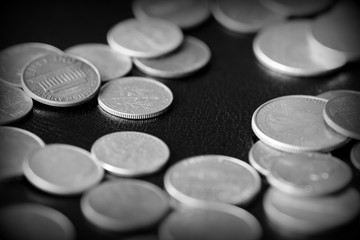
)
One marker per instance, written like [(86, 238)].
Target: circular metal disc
[(335, 93), (355, 155)]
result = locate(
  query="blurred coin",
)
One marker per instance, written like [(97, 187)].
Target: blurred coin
[(14, 58), (186, 13), (15, 145), (355, 155), (295, 123), (189, 58), (14, 104), (124, 205), (62, 169), (61, 80), (208, 179), (135, 97), (335, 93), (110, 63), (145, 39)]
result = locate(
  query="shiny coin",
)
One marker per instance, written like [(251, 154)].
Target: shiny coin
[(145, 39), (335, 93), (211, 223), (186, 13), (15, 145), (355, 155), (135, 98), (295, 123), (124, 205), (285, 48), (130, 153), (14, 104), (61, 80), (13, 59), (189, 58), (211, 179), (62, 169), (343, 115)]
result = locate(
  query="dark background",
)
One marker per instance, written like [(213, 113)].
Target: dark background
[(211, 112)]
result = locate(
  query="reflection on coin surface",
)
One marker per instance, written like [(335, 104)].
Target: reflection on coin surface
[(62, 169), (335, 93), (186, 13), (295, 123), (15, 145), (343, 114), (205, 179), (110, 63), (14, 104), (297, 8), (124, 205), (61, 80), (189, 58), (135, 97), (146, 39), (130, 153), (13, 59), (211, 223), (355, 155), (34, 222)]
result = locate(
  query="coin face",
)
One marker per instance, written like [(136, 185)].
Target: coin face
[(146, 39), (14, 58), (135, 98), (335, 93), (355, 155), (295, 123), (189, 58), (61, 80), (212, 179), (14, 104), (297, 8)]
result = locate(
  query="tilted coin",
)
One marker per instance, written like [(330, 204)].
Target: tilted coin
[(61, 80), (14, 58), (187, 59), (62, 169), (135, 98), (355, 155), (335, 93), (130, 153), (294, 123)]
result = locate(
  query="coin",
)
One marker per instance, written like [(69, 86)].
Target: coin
[(294, 123), (130, 153), (146, 39), (343, 114), (62, 169), (14, 58), (14, 104), (110, 63), (335, 93), (135, 98), (189, 58), (186, 13), (355, 155), (208, 179), (124, 205), (15, 145), (61, 80)]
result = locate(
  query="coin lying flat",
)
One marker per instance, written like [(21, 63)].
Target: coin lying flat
[(124, 205), (335, 93), (187, 59), (14, 58), (62, 169), (61, 80), (355, 155), (14, 104), (295, 123), (110, 63)]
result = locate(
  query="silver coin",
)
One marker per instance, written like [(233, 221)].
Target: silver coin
[(186, 13), (335, 93), (15, 145), (62, 169), (110, 63), (355, 155), (135, 98), (61, 80), (14, 104), (14, 58), (145, 39), (124, 205), (295, 123), (208, 179), (130, 153), (343, 114), (187, 59)]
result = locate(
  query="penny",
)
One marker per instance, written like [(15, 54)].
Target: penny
[(355, 155), (335, 93)]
